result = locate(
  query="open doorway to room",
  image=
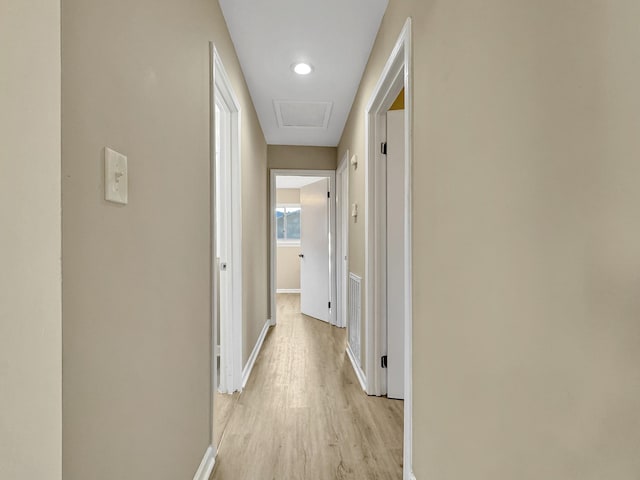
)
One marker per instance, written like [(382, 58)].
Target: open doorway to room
[(226, 250), (394, 249), (303, 243), (388, 252)]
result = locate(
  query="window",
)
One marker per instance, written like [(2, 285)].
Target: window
[(288, 223)]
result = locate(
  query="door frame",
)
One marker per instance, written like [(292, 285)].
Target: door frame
[(396, 75), (331, 175), (342, 238), (231, 323)]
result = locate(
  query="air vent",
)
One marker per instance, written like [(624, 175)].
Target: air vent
[(302, 114)]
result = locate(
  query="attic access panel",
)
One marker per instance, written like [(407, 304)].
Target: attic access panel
[(301, 114)]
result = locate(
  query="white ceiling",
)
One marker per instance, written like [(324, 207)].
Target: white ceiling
[(334, 36), (295, 182)]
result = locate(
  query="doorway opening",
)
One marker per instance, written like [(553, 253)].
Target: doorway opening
[(388, 254), (302, 241), (226, 249)]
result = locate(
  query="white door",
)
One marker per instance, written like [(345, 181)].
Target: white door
[(314, 242), (395, 254), (227, 238)]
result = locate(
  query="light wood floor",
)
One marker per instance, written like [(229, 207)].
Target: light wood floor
[(303, 414), (223, 406)]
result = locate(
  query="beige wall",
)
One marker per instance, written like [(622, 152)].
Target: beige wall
[(288, 195), (526, 235), (30, 298), (302, 158), (288, 267), (255, 223), (137, 278)]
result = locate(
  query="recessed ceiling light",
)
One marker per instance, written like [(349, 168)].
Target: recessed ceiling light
[(302, 68)]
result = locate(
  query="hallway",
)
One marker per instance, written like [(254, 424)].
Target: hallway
[(303, 414)]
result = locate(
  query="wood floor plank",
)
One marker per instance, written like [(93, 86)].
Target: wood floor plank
[(223, 406), (303, 414)]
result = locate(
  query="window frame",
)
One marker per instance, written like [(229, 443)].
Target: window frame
[(287, 242)]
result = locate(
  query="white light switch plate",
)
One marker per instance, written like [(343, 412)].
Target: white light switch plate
[(116, 178)]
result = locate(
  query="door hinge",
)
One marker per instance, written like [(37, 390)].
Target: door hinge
[(328, 194), (329, 304), (383, 361), (383, 148)]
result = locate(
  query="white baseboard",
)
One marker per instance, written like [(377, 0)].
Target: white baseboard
[(246, 372), (356, 368), (288, 290), (207, 464)]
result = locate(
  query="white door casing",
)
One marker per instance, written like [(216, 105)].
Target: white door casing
[(396, 75), (342, 241), (224, 241), (315, 271), (230, 222), (274, 174), (226, 234), (395, 254)]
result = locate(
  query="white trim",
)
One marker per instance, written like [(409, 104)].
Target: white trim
[(213, 277), (288, 205), (356, 368), (206, 465), (342, 218), (230, 351), (288, 290), (406, 37), (331, 175), (412, 476), (246, 372), (289, 243), (396, 74)]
